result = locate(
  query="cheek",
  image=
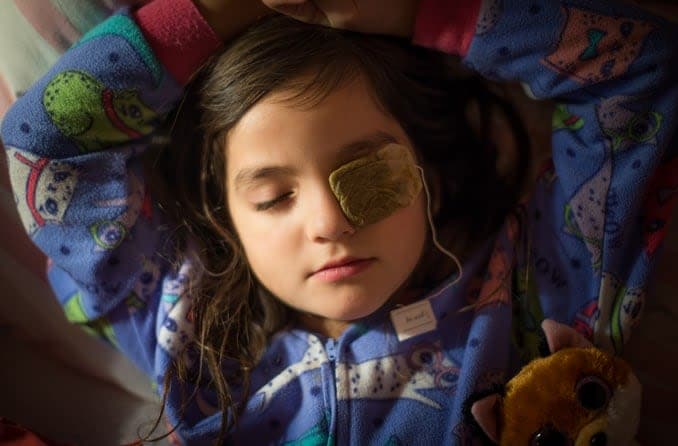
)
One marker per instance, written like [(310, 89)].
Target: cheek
[(404, 232), (275, 262), (270, 247), (414, 216), (417, 223)]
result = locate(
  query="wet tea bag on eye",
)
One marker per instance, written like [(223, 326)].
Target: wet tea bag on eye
[(373, 187)]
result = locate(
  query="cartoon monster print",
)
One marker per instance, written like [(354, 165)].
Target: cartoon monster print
[(44, 188), (620, 309), (177, 331), (100, 327), (586, 318), (95, 116), (658, 206), (527, 315), (593, 48), (399, 376), (177, 284), (546, 174), (488, 16), (495, 288), (424, 367), (108, 234), (169, 300), (625, 128), (146, 284), (393, 441), (316, 436), (563, 119), (314, 357), (585, 212), (134, 303)]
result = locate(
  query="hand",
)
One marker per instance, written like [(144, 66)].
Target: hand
[(390, 17), (230, 17)]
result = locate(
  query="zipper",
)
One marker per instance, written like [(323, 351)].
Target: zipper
[(333, 414)]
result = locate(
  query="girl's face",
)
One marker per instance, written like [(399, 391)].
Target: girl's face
[(296, 238)]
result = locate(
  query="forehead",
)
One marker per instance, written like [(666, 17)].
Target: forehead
[(277, 130)]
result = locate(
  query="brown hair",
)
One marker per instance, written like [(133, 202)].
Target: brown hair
[(421, 89)]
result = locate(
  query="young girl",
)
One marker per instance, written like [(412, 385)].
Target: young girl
[(240, 266)]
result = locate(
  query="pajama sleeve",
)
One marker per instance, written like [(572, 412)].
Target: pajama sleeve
[(599, 212), (75, 143)]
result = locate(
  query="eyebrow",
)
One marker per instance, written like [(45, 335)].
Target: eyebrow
[(364, 146), (248, 176)]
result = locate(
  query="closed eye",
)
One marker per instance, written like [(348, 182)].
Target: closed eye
[(267, 205)]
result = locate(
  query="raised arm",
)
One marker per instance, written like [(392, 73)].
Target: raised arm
[(599, 211), (74, 143)]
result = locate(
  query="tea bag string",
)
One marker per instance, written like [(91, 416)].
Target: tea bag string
[(434, 234)]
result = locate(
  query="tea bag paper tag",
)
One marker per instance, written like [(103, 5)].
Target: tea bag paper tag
[(413, 320)]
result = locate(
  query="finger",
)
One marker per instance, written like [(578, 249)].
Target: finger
[(302, 10), (339, 13)]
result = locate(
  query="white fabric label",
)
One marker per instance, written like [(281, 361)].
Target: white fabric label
[(413, 320)]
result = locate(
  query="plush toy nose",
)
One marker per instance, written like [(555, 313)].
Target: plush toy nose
[(594, 433), (599, 439)]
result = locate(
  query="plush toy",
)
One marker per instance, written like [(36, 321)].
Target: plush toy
[(579, 395)]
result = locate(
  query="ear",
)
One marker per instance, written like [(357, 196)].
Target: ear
[(486, 413), (560, 336)]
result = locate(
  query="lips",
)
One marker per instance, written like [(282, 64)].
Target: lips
[(338, 263), (342, 268)]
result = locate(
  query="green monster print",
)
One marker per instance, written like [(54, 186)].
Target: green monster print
[(591, 236), (134, 302), (94, 116), (100, 327), (527, 315), (620, 308), (563, 119)]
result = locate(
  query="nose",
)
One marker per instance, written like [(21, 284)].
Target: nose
[(325, 220)]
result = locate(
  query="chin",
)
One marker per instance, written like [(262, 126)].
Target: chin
[(354, 308)]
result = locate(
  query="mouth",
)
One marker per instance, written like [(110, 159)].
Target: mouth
[(343, 268)]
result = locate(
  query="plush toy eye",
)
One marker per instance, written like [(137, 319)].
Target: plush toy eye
[(599, 439), (592, 393), (548, 436)]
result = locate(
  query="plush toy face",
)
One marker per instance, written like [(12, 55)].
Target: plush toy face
[(575, 397)]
